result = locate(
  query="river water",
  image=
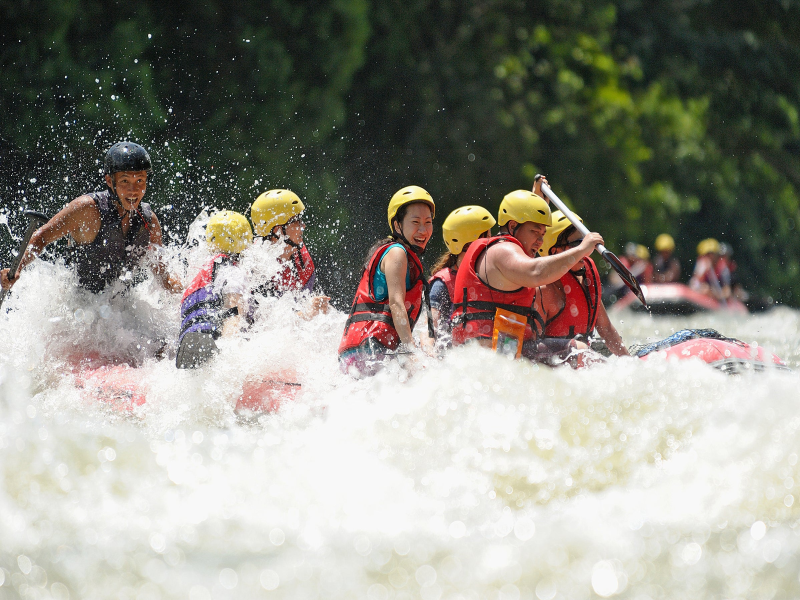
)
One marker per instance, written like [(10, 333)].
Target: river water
[(477, 477)]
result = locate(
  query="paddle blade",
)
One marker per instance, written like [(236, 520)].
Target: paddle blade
[(625, 274)]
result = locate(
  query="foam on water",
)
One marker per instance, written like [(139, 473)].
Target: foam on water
[(477, 477)]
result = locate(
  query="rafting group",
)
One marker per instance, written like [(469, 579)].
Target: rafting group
[(530, 290), (714, 274)]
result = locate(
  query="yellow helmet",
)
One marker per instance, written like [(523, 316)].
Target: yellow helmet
[(560, 223), (409, 195), (642, 252), (465, 225), (707, 246), (228, 232), (274, 208), (665, 243), (523, 206)]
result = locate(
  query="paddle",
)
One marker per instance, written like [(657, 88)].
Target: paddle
[(35, 220), (610, 257)]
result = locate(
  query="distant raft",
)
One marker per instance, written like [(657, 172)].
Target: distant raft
[(677, 299)]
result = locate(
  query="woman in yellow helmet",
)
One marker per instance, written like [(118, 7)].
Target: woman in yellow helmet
[(390, 297), (461, 227), (711, 275), (214, 303), (277, 219)]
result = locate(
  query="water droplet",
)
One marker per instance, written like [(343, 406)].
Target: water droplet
[(269, 580), (758, 530), (228, 579), (546, 589), (604, 579), (457, 529)]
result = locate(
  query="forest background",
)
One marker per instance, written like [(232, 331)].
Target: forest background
[(647, 116)]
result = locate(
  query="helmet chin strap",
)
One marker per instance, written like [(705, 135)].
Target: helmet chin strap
[(286, 239), (115, 196), (418, 250)]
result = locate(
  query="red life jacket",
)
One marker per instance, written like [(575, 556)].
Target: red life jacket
[(581, 302), (448, 277), (371, 318), (474, 302), (296, 274), (206, 275)]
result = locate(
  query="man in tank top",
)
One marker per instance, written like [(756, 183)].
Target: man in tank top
[(112, 230)]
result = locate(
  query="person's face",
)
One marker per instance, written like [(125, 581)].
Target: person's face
[(131, 186), (573, 240), (417, 225), (531, 236), (294, 230)]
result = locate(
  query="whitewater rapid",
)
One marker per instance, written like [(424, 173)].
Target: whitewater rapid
[(478, 477)]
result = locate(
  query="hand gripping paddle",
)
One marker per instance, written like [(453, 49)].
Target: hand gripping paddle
[(611, 258), (35, 220)]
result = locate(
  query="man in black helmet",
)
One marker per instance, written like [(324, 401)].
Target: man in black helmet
[(111, 230)]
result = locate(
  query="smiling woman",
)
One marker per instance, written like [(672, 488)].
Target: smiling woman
[(390, 297)]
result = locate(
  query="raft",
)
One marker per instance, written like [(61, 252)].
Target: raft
[(729, 355), (123, 388), (677, 299)]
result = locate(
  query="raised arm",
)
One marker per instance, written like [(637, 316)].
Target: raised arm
[(520, 269), (168, 280), (609, 333), (79, 219)]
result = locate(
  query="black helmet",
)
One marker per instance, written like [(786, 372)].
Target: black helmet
[(127, 156)]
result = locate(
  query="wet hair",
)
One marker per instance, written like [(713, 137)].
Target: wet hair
[(445, 261)]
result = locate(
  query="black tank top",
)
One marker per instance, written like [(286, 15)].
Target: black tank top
[(112, 254)]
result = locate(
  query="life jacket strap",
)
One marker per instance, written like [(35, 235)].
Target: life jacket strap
[(373, 307), (488, 310), (426, 299), (383, 318), (215, 321), (205, 304)]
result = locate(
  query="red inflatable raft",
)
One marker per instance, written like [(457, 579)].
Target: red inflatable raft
[(726, 354), (677, 299), (123, 388)]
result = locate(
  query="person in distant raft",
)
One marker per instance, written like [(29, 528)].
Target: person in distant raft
[(496, 284), (666, 268), (112, 230), (277, 219), (711, 275), (391, 293), (461, 227), (573, 306), (215, 302)]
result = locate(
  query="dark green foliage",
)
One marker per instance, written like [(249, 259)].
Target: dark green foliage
[(646, 115)]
